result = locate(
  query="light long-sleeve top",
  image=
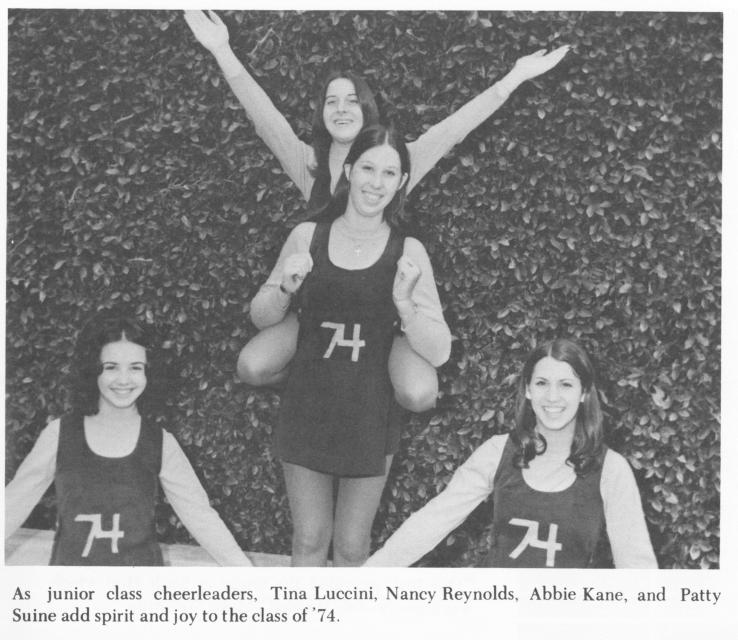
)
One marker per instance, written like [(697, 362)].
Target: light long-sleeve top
[(178, 480), (473, 482), (423, 323), (297, 157)]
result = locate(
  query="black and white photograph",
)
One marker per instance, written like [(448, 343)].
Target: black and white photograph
[(430, 295)]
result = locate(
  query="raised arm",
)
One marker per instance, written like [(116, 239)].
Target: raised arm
[(33, 477), (626, 525), (429, 148), (271, 126), (416, 298), (470, 484), (191, 504)]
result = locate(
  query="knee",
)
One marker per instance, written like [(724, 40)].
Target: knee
[(250, 368), (350, 549), (311, 540), (417, 397)]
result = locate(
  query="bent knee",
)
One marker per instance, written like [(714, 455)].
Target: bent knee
[(251, 370), (417, 398)]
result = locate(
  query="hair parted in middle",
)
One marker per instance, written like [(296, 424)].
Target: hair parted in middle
[(104, 327), (375, 136), (321, 138), (588, 443)]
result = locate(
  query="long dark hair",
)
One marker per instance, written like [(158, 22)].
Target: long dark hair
[(321, 138), (103, 328), (588, 443), (368, 138)]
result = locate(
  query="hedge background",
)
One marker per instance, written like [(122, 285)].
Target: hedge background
[(588, 205)]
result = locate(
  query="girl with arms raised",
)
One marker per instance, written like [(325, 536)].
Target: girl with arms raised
[(345, 105)]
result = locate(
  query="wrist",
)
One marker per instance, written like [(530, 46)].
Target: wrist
[(509, 83), (227, 60)]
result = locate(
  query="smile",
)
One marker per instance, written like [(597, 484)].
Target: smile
[(372, 198)]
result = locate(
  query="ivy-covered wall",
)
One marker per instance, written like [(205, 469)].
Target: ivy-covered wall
[(588, 205)]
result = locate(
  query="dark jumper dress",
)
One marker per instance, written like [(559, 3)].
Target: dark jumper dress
[(338, 414), (106, 505), (544, 528)]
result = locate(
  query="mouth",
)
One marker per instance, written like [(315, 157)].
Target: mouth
[(553, 411), (371, 197), (343, 122)]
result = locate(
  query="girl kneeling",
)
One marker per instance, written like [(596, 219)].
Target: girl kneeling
[(107, 458), (554, 483)]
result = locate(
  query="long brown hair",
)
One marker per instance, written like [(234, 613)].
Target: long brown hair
[(588, 443)]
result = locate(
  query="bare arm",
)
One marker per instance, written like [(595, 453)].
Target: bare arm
[(271, 126)]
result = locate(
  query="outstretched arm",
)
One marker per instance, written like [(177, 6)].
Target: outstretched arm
[(271, 126), (33, 477), (429, 148), (470, 484), (191, 504)]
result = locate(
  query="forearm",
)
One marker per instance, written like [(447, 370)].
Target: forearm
[(626, 524), (32, 479), (428, 335), (270, 125), (269, 306), (470, 485), (190, 502)]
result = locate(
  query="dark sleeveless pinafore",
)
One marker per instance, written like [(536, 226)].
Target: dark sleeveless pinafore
[(544, 529), (106, 505), (338, 414)]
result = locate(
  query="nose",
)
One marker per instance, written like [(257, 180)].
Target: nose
[(376, 180), (552, 392)]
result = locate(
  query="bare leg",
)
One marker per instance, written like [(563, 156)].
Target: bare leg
[(264, 360), (414, 379), (356, 507), (310, 494)]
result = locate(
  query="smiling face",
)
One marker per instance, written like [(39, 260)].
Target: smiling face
[(555, 393), (342, 114), (123, 376), (374, 179)]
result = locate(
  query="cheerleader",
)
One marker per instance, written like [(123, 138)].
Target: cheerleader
[(353, 277), (554, 484), (345, 105), (107, 458)]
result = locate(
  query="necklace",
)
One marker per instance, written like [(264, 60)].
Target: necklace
[(360, 240)]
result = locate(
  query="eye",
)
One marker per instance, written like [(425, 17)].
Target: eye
[(540, 383), (353, 100), (108, 366), (330, 102), (390, 173), (138, 367)]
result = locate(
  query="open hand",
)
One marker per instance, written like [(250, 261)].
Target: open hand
[(296, 267), (537, 63), (210, 31)]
